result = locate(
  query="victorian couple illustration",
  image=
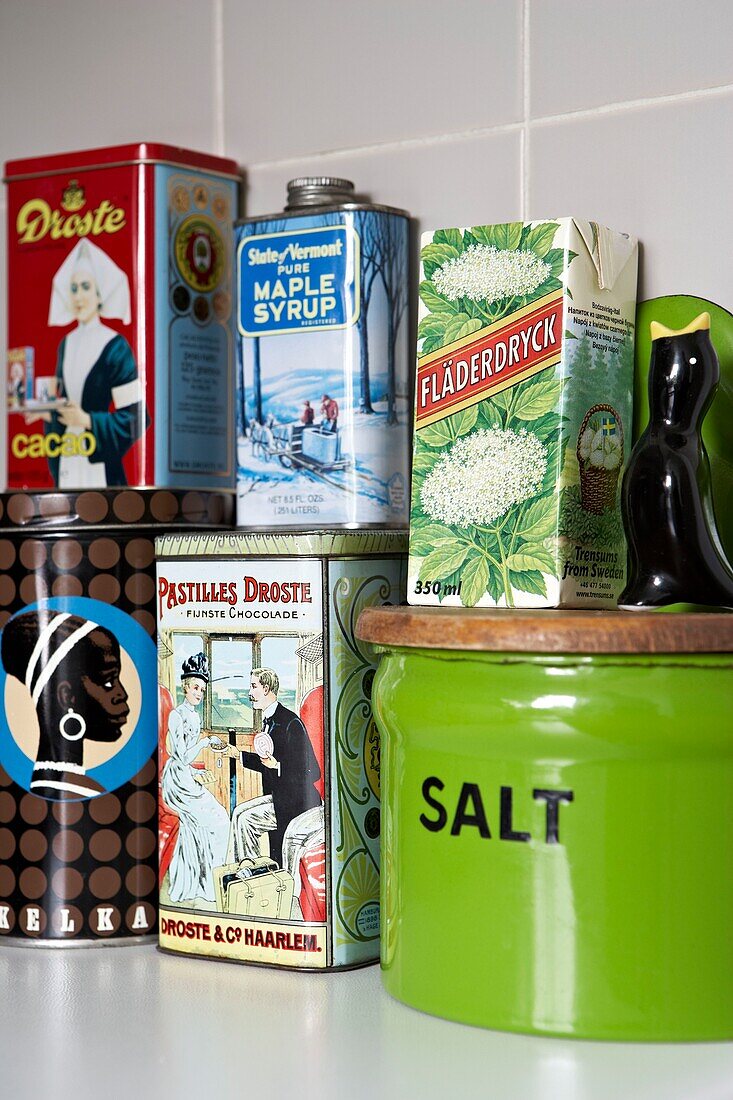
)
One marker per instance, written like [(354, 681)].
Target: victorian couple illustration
[(283, 756)]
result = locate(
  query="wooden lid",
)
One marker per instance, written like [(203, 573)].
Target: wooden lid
[(540, 631)]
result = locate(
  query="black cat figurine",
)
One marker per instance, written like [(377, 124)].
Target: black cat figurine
[(675, 555)]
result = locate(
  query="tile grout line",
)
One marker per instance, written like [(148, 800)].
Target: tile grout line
[(505, 128), (634, 105), (218, 75), (524, 158), (388, 146)]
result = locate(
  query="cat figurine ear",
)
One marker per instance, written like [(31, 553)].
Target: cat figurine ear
[(700, 324), (675, 554)]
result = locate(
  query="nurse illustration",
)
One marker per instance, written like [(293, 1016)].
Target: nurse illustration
[(96, 371), (203, 832)]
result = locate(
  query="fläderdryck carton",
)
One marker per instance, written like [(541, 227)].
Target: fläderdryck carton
[(522, 415)]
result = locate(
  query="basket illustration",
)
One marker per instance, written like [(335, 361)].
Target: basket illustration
[(600, 451)]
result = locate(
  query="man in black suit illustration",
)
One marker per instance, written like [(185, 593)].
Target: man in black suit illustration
[(283, 756)]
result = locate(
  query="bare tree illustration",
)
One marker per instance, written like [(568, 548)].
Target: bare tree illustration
[(392, 237), (364, 223)]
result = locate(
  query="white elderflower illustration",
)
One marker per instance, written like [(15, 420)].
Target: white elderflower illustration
[(605, 451), (599, 449), (486, 273), (586, 442), (483, 475)]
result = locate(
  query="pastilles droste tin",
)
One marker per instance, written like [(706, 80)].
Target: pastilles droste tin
[(120, 319), (78, 710), (270, 820), (323, 408)]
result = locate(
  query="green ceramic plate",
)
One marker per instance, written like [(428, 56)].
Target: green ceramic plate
[(676, 311)]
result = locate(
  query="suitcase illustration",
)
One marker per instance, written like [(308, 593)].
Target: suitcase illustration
[(254, 888)]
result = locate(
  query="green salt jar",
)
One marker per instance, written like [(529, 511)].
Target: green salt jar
[(557, 830)]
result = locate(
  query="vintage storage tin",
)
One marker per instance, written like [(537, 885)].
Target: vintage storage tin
[(557, 827), (78, 722), (323, 406), (269, 826), (120, 320)]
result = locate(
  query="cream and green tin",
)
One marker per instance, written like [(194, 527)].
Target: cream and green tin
[(557, 846), (270, 762)]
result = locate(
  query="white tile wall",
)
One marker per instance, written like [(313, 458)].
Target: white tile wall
[(301, 78), (447, 181), (462, 112), (82, 73), (588, 54), (656, 172)]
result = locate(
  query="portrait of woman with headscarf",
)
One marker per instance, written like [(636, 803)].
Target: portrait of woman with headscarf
[(71, 667), (95, 368)]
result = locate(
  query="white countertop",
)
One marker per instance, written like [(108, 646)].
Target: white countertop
[(131, 1022)]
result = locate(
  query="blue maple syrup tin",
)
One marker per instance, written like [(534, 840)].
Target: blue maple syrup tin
[(323, 404)]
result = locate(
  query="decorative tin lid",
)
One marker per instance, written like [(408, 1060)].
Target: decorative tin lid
[(143, 152), (291, 542), (546, 631), (54, 511)]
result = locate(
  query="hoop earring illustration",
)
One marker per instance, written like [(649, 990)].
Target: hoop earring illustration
[(73, 717)]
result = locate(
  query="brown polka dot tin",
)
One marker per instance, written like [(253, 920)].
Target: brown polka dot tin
[(78, 720)]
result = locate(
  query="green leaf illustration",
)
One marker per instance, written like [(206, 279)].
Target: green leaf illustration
[(423, 461), (540, 238), (495, 585), (431, 343), (426, 538), (464, 421), (501, 400), (435, 302), (438, 434), (505, 236), (434, 256), (550, 285), (509, 235), (489, 416), (449, 236), (536, 400), (546, 427), (474, 580), (459, 326), (443, 561), (483, 234), (540, 517), (556, 259), (531, 581), (434, 325), (531, 556), (555, 456)]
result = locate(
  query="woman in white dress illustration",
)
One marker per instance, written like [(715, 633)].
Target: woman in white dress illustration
[(95, 369), (204, 823)]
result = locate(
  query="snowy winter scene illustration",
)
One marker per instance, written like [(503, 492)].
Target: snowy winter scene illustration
[(323, 414)]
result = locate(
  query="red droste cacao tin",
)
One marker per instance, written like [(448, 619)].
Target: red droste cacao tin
[(120, 366), (78, 709)]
